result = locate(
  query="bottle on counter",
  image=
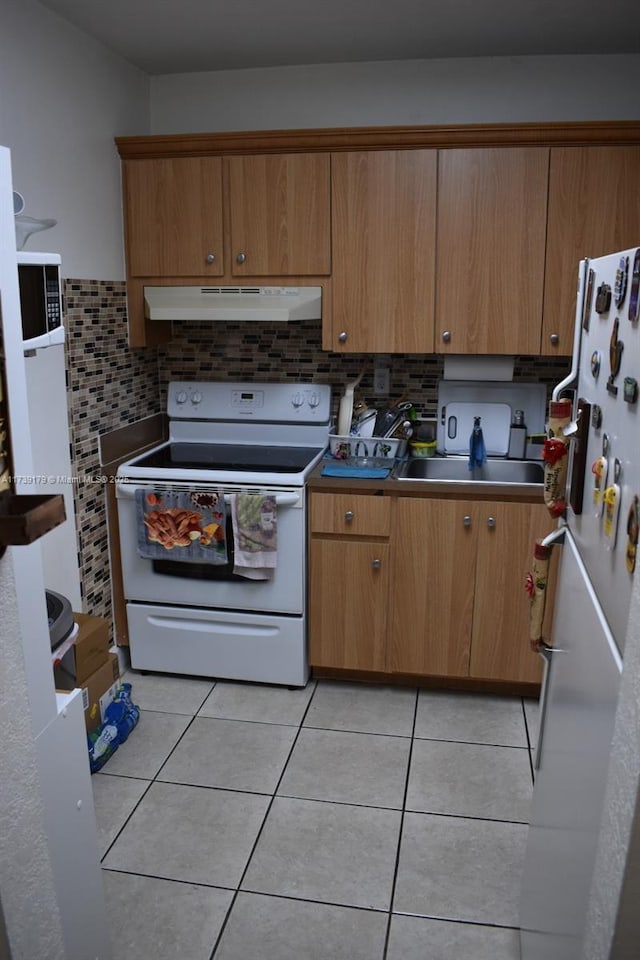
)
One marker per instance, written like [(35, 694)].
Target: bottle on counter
[(517, 437)]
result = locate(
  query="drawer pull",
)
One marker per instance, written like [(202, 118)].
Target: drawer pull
[(376, 564), (466, 521), (210, 258), (491, 522), (349, 516)]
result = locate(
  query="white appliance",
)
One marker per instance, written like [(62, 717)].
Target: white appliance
[(584, 660), (40, 299), (261, 438)]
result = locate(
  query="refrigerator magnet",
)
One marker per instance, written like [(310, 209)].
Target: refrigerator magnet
[(633, 528), (599, 470), (635, 288), (620, 286), (603, 298), (616, 347), (596, 360), (588, 301), (630, 390), (611, 500)]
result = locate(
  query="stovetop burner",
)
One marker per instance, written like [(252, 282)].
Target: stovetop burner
[(230, 456)]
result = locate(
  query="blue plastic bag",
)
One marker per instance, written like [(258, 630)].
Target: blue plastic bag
[(120, 718)]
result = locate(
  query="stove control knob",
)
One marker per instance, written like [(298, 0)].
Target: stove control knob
[(196, 397), (181, 396), (313, 400), (297, 400)]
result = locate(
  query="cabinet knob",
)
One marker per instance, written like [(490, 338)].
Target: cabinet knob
[(349, 516), (241, 258), (466, 521), (554, 339), (376, 564), (491, 522), (210, 258), (342, 337), (446, 336)]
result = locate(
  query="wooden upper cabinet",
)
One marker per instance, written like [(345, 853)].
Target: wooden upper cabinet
[(492, 205), (594, 209), (383, 241), (173, 210), (280, 212)]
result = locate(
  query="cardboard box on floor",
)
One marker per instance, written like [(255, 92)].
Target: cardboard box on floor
[(98, 691), (89, 651)]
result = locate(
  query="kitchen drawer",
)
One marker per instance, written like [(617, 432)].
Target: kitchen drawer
[(350, 514)]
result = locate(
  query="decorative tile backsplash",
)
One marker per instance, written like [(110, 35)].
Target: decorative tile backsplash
[(110, 386), (293, 351)]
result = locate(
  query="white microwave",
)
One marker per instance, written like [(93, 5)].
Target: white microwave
[(40, 300)]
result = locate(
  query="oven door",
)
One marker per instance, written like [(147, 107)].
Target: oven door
[(191, 585)]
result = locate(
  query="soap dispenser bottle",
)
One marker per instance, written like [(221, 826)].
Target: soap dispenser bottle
[(517, 437)]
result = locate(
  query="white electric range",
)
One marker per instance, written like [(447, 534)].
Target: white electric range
[(206, 620)]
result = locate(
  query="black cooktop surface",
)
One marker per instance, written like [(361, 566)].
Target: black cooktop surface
[(235, 457)]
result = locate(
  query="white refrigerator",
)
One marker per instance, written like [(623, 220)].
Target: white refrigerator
[(598, 539)]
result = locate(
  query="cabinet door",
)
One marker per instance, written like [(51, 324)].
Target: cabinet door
[(348, 597), (173, 211), (500, 641), (434, 556), (383, 229), (594, 209), (280, 210), (492, 206)]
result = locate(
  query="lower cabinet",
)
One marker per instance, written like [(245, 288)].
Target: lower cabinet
[(423, 586), (349, 581)]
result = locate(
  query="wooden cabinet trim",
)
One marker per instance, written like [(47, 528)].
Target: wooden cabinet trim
[(379, 138)]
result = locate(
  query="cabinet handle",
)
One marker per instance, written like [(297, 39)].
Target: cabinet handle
[(554, 338), (376, 564), (466, 521), (349, 516), (241, 257), (491, 522), (210, 257), (446, 336), (342, 337)]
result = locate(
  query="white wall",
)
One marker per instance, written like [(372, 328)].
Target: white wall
[(467, 90), (63, 98)]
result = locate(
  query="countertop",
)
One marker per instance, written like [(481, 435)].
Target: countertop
[(449, 489)]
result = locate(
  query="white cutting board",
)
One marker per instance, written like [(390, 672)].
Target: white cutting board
[(459, 415)]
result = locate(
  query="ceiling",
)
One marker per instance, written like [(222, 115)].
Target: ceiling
[(182, 36)]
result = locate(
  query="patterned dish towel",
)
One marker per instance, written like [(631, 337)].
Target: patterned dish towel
[(181, 525), (255, 534)]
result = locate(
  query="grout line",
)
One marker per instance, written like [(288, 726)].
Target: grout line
[(402, 815), (262, 826), (530, 748)]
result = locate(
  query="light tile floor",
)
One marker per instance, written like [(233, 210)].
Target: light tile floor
[(338, 822)]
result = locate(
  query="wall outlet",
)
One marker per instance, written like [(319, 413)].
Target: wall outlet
[(381, 381)]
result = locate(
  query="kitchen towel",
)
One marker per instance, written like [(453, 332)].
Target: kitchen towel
[(188, 526), (255, 535)]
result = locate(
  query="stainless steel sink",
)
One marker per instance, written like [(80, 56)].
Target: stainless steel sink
[(457, 469)]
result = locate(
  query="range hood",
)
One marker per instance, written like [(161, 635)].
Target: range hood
[(280, 304)]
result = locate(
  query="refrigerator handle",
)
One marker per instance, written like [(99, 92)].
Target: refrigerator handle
[(554, 538), (547, 654)]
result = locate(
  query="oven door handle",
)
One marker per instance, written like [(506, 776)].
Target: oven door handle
[(127, 491)]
